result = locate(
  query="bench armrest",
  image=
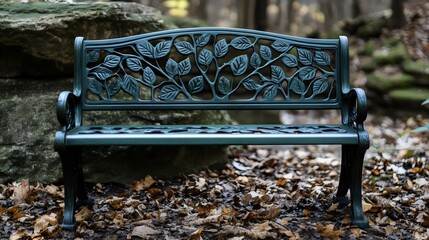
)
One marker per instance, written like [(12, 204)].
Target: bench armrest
[(354, 110), (67, 110)]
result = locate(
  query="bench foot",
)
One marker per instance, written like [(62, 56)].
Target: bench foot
[(342, 200), (361, 223), (68, 226)]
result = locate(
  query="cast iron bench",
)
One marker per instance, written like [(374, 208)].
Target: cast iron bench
[(211, 69)]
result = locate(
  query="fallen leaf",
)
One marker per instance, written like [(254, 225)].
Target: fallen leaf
[(20, 234), (328, 231), (306, 212), (242, 180), (265, 226), (420, 182), (236, 238), (366, 206), (281, 182), (21, 192), (46, 225), (119, 219), (143, 184), (333, 207), (144, 232), (356, 231), (16, 212), (83, 214), (196, 235)]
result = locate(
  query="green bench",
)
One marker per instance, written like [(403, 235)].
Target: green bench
[(212, 69)]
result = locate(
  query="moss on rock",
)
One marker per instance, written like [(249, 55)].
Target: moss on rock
[(409, 97), (383, 82), (390, 55), (419, 69)]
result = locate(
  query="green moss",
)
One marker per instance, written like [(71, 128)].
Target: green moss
[(391, 55), (419, 67), (383, 82), (414, 96), (393, 41), (369, 48)]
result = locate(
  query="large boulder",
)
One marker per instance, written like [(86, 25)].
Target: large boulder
[(37, 37), (37, 40), (28, 124)]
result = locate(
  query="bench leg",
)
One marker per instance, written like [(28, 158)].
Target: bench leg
[(81, 194), (358, 217), (69, 190), (347, 155), (74, 188)]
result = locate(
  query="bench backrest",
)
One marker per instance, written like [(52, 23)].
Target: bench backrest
[(211, 68)]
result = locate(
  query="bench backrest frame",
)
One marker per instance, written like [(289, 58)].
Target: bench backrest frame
[(340, 74)]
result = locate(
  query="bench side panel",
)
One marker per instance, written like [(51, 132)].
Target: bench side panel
[(211, 68)]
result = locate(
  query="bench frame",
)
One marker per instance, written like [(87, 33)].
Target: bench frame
[(306, 72)]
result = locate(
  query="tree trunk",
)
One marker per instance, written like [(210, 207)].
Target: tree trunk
[(398, 17), (356, 9), (260, 20)]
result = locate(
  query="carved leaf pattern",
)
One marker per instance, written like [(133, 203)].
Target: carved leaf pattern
[(203, 40), (221, 48), (93, 56), (149, 76), (205, 57), (134, 64), (255, 60), (262, 67), (297, 86), (115, 87), (162, 49), (270, 93), (95, 86), (103, 73), (145, 48), (169, 92), (111, 61), (224, 85), (239, 65), (251, 84), (196, 84), (241, 43), (305, 56), (320, 85), (184, 67), (171, 67), (184, 47), (266, 53), (131, 86)]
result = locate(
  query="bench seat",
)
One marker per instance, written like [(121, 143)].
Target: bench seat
[(211, 134)]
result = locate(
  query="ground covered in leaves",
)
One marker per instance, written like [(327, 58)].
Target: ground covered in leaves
[(263, 193)]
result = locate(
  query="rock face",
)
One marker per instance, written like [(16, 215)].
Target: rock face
[(37, 40), (40, 34), (28, 124)]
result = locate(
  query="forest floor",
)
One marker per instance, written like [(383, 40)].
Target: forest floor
[(262, 193)]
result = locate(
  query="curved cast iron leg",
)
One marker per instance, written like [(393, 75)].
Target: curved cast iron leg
[(347, 155), (358, 217), (69, 190), (81, 194)]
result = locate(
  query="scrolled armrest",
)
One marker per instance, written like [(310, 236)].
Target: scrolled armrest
[(66, 110), (355, 107)]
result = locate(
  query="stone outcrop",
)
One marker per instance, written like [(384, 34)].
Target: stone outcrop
[(36, 40)]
